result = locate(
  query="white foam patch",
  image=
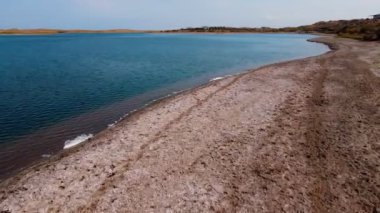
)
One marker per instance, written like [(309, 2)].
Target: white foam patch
[(78, 140), (217, 78), (111, 125)]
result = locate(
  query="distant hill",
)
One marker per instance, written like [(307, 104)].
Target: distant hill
[(362, 29)]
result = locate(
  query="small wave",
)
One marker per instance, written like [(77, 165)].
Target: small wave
[(217, 78), (80, 139)]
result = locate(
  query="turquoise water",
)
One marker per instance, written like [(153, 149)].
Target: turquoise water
[(55, 87)]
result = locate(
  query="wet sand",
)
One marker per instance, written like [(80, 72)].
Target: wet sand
[(295, 136)]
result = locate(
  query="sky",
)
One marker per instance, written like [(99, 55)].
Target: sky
[(172, 14)]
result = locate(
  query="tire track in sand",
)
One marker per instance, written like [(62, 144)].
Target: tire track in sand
[(117, 175)]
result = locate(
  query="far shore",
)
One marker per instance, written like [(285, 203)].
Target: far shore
[(294, 136), (359, 29), (111, 31), (58, 31)]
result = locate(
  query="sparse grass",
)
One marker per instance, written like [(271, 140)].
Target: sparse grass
[(352, 36)]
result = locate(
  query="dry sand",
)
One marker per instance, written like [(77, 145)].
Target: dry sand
[(299, 136)]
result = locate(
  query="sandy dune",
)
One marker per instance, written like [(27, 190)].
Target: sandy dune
[(296, 136)]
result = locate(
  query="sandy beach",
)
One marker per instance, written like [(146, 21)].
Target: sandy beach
[(298, 136)]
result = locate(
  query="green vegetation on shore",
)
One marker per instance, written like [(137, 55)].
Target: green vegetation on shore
[(361, 29)]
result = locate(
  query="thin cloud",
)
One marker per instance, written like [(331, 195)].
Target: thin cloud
[(164, 14)]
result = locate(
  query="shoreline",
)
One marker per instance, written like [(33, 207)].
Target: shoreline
[(202, 96), (146, 107), (140, 110), (52, 148)]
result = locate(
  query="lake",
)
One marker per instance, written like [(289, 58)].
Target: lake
[(54, 88)]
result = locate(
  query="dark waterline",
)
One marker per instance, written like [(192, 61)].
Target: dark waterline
[(56, 87)]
